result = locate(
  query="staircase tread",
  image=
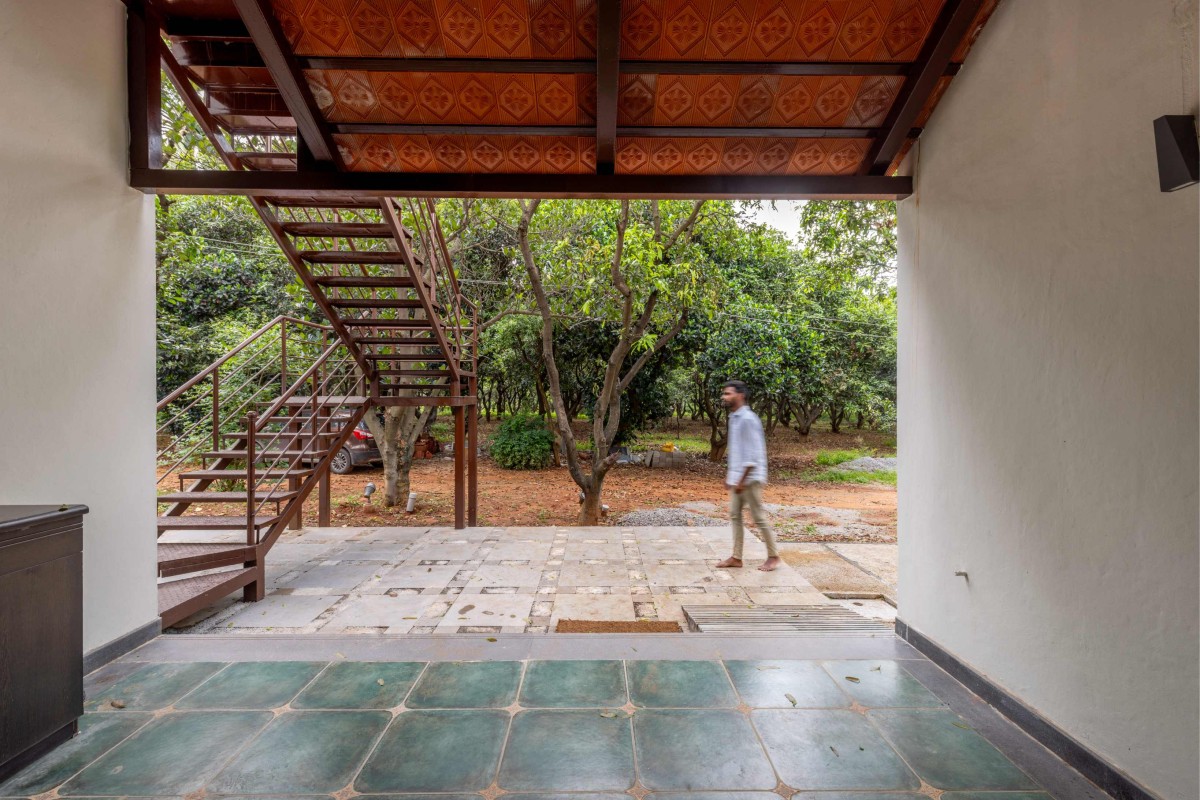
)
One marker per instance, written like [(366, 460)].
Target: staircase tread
[(222, 497), (224, 474), (177, 550), (194, 523), (174, 593)]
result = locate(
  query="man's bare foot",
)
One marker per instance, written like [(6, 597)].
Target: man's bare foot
[(731, 563), (770, 564)]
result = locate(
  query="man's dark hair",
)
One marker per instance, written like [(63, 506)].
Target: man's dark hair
[(739, 387)]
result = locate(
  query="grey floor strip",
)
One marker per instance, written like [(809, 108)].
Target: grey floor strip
[(501, 647)]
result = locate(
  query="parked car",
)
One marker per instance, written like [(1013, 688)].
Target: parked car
[(360, 450)]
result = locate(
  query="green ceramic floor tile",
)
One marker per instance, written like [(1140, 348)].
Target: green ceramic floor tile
[(361, 684), (304, 752), (859, 796), (574, 684), (996, 796), (768, 684), (881, 684), (254, 684), (269, 797), (680, 684), (830, 749), (574, 796), (436, 751), (946, 753), (568, 751), (467, 684), (174, 755), (713, 796), (433, 797), (98, 733), (154, 686), (682, 750)]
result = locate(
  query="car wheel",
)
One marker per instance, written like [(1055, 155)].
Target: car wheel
[(342, 465)]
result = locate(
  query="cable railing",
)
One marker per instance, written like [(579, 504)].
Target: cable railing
[(298, 429), (195, 418)]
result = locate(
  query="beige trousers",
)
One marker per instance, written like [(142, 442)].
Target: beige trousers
[(751, 497)]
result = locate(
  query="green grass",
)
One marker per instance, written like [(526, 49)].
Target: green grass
[(831, 458), (695, 445), (852, 476)]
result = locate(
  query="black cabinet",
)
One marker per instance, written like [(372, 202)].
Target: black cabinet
[(41, 630)]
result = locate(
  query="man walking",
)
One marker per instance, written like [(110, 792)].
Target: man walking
[(747, 475)]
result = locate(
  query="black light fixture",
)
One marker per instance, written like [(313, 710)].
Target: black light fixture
[(1178, 153)]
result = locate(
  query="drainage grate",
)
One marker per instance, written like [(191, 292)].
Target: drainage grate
[(829, 620)]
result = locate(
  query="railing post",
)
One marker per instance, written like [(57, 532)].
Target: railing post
[(216, 412), (283, 356), (459, 461), (251, 481)]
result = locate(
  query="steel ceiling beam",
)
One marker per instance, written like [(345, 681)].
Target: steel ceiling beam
[(277, 55), (947, 32), (608, 79), (414, 184)]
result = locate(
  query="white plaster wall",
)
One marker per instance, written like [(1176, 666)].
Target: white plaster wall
[(1048, 379), (77, 298)]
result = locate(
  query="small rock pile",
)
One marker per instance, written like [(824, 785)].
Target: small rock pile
[(668, 517)]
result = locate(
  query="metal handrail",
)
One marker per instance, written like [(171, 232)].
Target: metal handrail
[(204, 373)]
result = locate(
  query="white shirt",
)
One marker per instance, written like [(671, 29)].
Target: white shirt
[(747, 447)]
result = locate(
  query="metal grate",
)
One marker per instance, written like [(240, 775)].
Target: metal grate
[(809, 619)]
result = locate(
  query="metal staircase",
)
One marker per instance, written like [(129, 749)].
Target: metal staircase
[(399, 333)]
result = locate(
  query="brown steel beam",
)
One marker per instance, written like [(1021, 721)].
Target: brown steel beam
[(285, 71), (145, 88), (608, 79), (302, 184), (947, 32), (225, 30)]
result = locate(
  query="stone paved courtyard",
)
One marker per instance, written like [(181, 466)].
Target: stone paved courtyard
[(425, 581)]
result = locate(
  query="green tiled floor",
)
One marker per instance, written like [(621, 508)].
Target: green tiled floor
[(540, 730)]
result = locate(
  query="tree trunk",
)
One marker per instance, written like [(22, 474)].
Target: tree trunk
[(591, 509), (836, 415), (396, 438), (806, 415), (858, 423)]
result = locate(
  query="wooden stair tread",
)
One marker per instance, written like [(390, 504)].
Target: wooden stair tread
[(375, 302), (365, 281), (222, 497), (375, 322), (417, 373), (214, 523), (349, 230), (352, 256), (180, 551), (178, 599), (224, 474)]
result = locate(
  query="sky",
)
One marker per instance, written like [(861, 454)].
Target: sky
[(785, 216)]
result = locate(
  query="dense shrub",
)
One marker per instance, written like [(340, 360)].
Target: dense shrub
[(522, 442)]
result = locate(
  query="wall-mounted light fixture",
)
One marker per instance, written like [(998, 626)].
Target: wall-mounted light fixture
[(1178, 153)]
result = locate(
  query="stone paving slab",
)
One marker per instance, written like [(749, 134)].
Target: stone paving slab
[(438, 581)]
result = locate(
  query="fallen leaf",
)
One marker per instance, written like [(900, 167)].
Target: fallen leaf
[(380, 681), (964, 727), (760, 669), (791, 699), (877, 669), (608, 714), (340, 655), (853, 679), (835, 752), (491, 638), (116, 704)]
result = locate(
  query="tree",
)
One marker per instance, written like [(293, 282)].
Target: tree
[(635, 268), (396, 429)]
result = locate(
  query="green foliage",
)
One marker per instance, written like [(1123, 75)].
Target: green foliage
[(522, 442), (853, 476), (831, 458)]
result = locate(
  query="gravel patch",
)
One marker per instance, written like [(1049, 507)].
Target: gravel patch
[(668, 517), (869, 464)]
